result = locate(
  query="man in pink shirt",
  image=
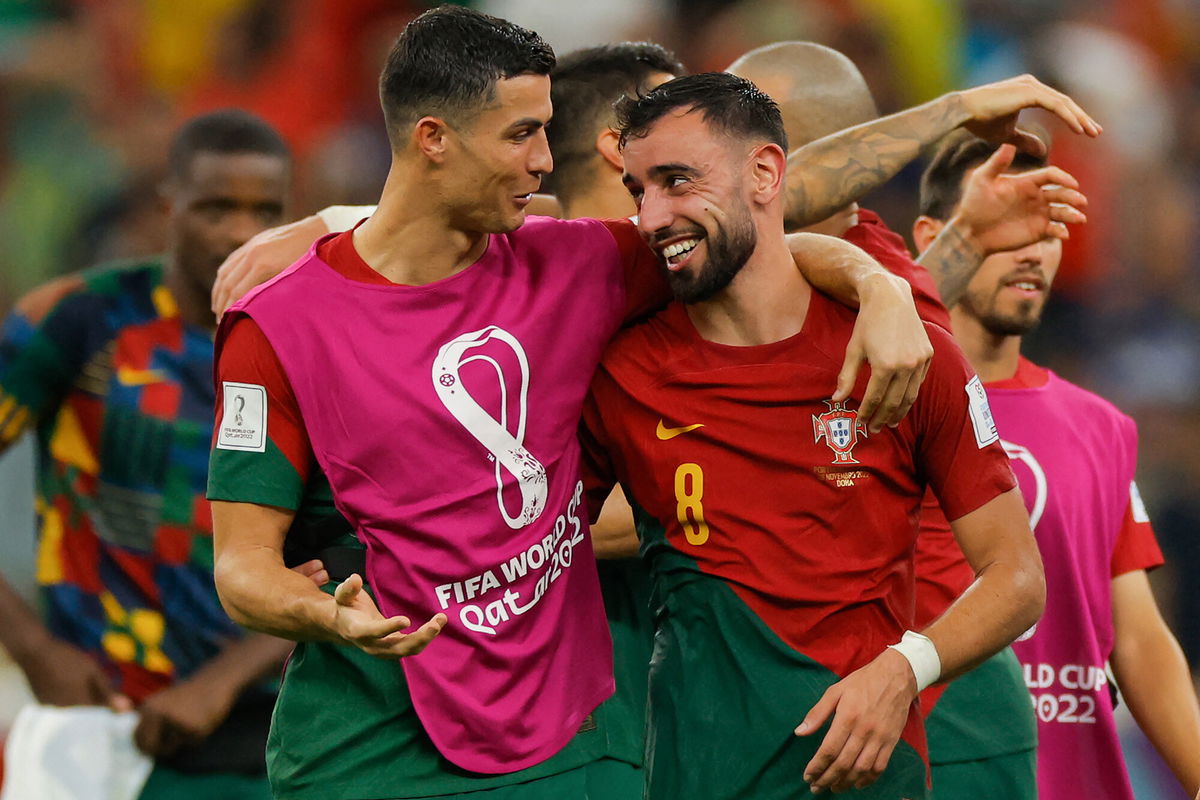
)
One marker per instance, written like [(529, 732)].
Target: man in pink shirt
[(1075, 456)]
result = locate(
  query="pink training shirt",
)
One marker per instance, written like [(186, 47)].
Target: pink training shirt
[(444, 416), (1074, 455)]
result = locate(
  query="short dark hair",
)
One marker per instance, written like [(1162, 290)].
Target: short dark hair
[(227, 131), (958, 153), (583, 87), (446, 63), (733, 105)]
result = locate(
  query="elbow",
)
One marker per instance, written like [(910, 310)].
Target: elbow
[(1029, 585), (230, 591)]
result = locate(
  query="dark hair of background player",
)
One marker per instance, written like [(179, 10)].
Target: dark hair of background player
[(446, 63), (584, 86), (958, 153), (225, 132), (732, 105)]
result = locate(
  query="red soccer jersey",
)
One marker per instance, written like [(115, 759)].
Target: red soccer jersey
[(760, 480)]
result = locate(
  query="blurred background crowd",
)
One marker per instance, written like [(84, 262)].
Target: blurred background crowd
[(91, 90)]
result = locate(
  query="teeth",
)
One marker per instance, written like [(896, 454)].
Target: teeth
[(679, 248), (1026, 285)]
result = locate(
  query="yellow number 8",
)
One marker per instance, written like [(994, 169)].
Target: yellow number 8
[(689, 491)]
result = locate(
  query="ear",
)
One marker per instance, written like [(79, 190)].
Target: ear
[(768, 165), (608, 145), (430, 136), (925, 230)]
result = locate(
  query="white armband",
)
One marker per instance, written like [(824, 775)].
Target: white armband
[(343, 218), (922, 657)]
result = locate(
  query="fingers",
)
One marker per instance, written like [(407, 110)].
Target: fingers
[(855, 358), (998, 162), (1027, 142), (1058, 231), (313, 570), (1066, 214), (120, 703), (347, 591), (818, 714), (402, 645), (877, 389), (1051, 175)]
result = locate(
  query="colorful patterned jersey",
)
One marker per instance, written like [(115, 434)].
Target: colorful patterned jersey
[(749, 473), (119, 390)]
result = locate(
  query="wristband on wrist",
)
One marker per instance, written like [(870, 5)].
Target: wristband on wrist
[(343, 218), (922, 656)]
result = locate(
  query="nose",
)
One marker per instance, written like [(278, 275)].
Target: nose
[(654, 214), (241, 226), (1032, 255), (540, 159)]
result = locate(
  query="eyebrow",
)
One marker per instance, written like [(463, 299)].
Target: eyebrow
[(660, 170), (527, 122)]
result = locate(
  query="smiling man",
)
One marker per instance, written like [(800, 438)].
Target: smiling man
[(425, 373), (1075, 456), (778, 528)]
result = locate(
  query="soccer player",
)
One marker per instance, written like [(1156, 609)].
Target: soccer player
[(112, 369), (779, 530), (431, 367), (982, 734), (1075, 457)]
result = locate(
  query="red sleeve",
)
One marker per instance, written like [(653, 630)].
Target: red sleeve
[(957, 446), (887, 247), (599, 475), (245, 356), (1137, 547), (646, 288)]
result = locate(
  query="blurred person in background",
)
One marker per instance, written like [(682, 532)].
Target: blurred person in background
[(1075, 456), (982, 735), (112, 368)]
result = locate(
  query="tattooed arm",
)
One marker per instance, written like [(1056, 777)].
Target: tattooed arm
[(832, 172)]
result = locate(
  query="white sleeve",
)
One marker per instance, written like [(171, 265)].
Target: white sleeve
[(343, 218)]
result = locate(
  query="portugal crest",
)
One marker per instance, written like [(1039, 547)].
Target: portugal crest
[(840, 428)]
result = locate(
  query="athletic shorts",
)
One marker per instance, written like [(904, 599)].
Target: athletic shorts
[(983, 734), (606, 779), (1007, 777), (725, 697), (168, 784)]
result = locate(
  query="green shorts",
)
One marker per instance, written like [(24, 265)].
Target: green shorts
[(1007, 777), (725, 696), (169, 784), (606, 779)]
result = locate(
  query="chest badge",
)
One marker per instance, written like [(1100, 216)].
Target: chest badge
[(840, 428)]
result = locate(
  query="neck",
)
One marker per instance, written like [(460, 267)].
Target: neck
[(993, 356), (766, 302), (412, 240), (193, 301), (600, 202)]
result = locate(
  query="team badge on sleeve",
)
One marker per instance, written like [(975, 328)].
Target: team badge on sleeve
[(244, 418), (839, 427), (981, 414)]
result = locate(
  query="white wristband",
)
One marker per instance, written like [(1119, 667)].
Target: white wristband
[(343, 218), (922, 657)]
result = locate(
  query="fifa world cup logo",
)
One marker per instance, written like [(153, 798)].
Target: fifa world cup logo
[(507, 448), (239, 403)]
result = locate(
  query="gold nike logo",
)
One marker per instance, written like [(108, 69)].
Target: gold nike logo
[(665, 433)]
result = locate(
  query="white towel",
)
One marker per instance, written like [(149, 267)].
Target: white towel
[(76, 753)]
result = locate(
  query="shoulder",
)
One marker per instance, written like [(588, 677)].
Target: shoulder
[(643, 354), (127, 285), (1089, 407)]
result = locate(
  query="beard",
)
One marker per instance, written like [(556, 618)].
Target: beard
[(728, 250), (1018, 322)]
